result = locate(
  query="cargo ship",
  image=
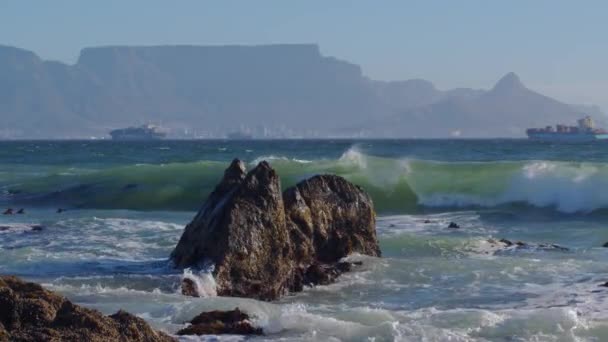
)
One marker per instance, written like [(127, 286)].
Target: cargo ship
[(585, 131), (144, 132)]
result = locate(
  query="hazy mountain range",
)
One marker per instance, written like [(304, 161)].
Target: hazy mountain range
[(272, 90)]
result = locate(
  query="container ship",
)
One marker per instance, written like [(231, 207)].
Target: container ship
[(145, 132), (585, 131)]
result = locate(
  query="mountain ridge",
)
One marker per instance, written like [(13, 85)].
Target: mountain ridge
[(289, 90)]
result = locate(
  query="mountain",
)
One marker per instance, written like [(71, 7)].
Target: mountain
[(205, 88), (506, 110), (270, 90)]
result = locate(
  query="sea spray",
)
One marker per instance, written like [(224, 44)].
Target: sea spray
[(203, 280)]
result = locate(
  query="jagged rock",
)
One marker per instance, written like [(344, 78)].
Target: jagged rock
[(241, 231), (328, 218), (263, 243), (28, 312), (221, 322), (453, 225)]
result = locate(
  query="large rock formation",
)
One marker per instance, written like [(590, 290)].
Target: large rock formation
[(28, 312), (241, 231), (262, 243)]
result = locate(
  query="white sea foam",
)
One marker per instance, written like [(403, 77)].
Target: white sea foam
[(203, 280), (272, 158)]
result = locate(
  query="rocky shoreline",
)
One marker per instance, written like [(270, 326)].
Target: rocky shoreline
[(28, 312), (258, 241)]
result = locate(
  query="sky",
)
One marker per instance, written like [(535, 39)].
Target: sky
[(557, 47)]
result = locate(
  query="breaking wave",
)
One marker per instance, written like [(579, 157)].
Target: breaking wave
[(396, 185)]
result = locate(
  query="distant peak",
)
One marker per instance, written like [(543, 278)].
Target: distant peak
[(509, 81)]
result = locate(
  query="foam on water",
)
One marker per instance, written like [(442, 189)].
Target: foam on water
[(203, 280)]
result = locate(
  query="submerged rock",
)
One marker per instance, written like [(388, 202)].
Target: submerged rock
[(28, 312), (221, 322), (263, 243), (453, 225), (507, 245)]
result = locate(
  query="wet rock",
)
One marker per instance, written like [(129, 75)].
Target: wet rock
[(22, 228), (605, 244), (264, 243), (8, 211), (325, 274), (37, 228), (453, 225), (21, 211), (221, 322), (504, 244), (605, 284), (28, 312), (189, 288), (130, 186), (241, 230), (427, 221)]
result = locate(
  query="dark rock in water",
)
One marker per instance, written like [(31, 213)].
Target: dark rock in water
[(130, 186), (221, 322), (60, 210), (427, 221), (324, 274), (37, 228), (241, 230), (8, 211), (263, 243), (453, 225), (28, 312), (506, 242), (189, 288), (520, 245), (605, 244), (604, 284), (21, 211), (22, 228), (335, 217)]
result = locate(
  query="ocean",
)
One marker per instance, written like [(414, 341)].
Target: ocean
[(126, 204)]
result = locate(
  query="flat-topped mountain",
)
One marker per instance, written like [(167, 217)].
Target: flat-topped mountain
[(282, 90)]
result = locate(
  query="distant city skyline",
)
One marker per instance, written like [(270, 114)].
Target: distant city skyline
[(556, 47)]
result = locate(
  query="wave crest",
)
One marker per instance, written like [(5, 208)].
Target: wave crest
[(396, 185)]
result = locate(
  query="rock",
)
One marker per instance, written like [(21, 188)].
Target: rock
[(28, 312), (335, 216), (37, 228), (20, 228), (21, 211), (130, 186), (605, 244), (504, 244), (241, 231), (453, 225), (263, 243), (605, 284), (8, 211), (189, 288), (221, 322), (427, 221)]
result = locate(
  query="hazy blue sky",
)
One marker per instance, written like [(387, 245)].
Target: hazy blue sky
[(557, 47)]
